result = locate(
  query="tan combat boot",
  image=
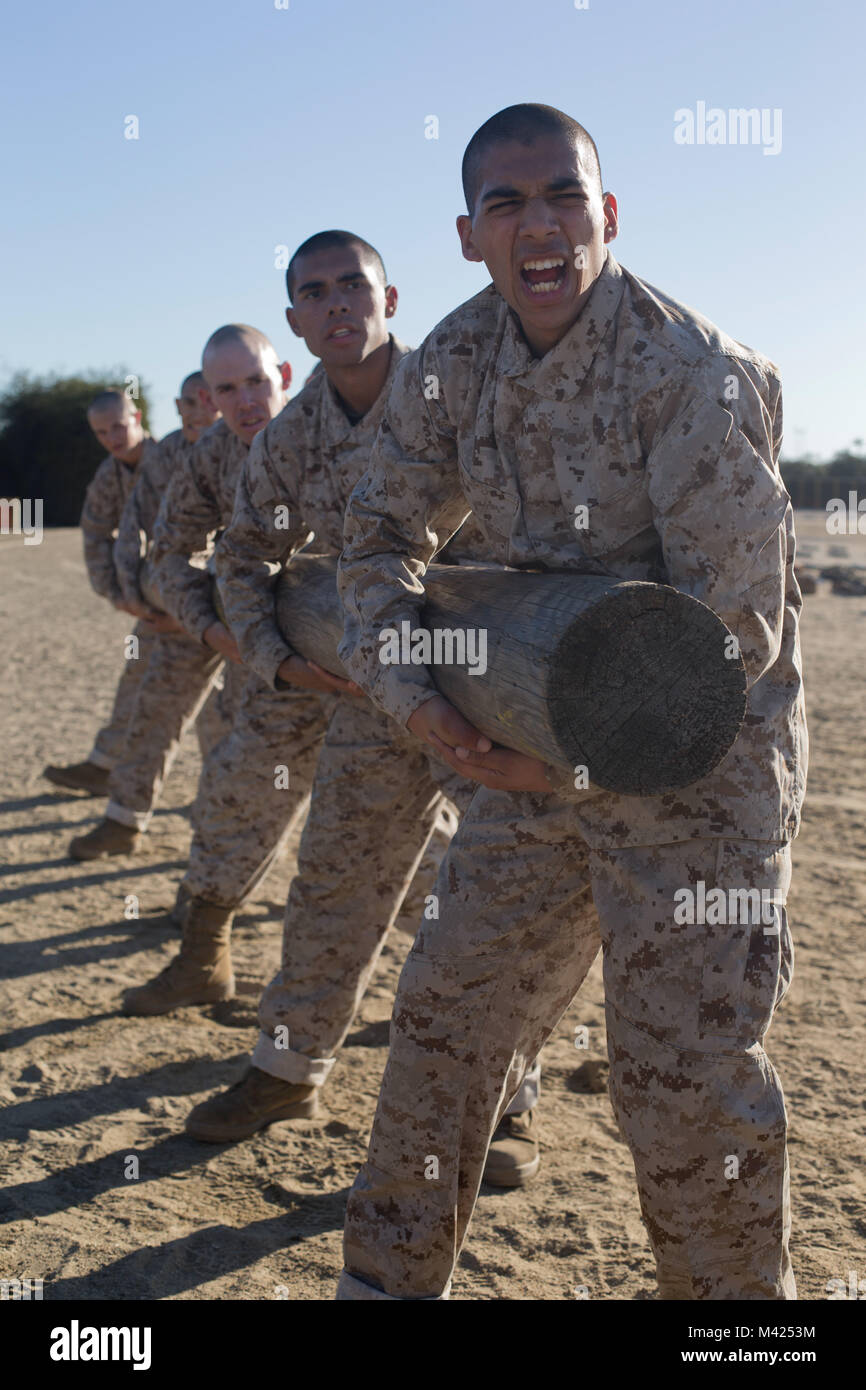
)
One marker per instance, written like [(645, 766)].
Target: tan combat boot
[(109, 837), (201, 972), (81, 777), (176, 914), (513, 1156), (254, 1102)]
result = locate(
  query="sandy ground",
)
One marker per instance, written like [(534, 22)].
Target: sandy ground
[(84, 1088)]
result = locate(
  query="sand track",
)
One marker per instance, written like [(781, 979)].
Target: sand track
[(84, 1089)]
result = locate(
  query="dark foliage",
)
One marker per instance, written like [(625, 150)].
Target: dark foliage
[(47, 449)]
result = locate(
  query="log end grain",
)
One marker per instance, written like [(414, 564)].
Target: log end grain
[(643, 690)]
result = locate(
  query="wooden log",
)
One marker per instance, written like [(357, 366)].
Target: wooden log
[(631, 681)]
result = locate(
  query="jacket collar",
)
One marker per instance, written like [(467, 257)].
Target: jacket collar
[(148, 442), (336, 423), (560, 373)]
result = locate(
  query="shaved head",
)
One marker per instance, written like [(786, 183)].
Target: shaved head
[(239, 334), (328, 241), (116, 422), (110, 400), (244, 377), (194, 406), (524, 124), (192, 382)]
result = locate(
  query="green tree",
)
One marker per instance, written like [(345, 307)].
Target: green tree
[(812, 484), (47, 449)]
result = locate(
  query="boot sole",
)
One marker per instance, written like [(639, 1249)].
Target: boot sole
[(302, 1110), (516, 1177), (100, 854), (70, 784), (215, 998), (77, 787)]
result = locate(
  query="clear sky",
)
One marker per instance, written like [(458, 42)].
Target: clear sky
[(259, 126)]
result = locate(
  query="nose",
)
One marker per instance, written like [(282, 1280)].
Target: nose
[(538, 219)]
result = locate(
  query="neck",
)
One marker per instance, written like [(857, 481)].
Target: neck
[(359, 387), (134, 455), (541, 341)]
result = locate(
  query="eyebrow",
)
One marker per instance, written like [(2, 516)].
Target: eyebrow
[(555, 186), (229, 385), (341, 279)]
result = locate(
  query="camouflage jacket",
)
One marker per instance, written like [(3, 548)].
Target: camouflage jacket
[(135, 530), (297, 479), (196, 506), (104, 501), (646, 440)]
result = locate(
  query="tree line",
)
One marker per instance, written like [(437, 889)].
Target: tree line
[(47, 449)]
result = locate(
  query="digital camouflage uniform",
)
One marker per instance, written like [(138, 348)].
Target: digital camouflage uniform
[(377, 792), (104, 501), (668, 432), (179, 678), (242, 814)]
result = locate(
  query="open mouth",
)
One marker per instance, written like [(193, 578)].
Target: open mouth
[(544, 276), (339, 334)]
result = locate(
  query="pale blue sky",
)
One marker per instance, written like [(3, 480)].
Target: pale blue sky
[(260, 126)]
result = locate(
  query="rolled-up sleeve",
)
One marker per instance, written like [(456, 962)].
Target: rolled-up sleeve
[(264, 531), (188, 518), (99, 517), (405, 508), (719, 507), (129, 546)]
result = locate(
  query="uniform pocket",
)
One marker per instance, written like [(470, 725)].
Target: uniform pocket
[(494, 509), (612, 522), (748, 953)]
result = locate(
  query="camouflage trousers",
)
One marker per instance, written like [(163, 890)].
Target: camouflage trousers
[(524, 907), (214, 719), (254, 786), (171, 692), (108, 745), (376, 798)]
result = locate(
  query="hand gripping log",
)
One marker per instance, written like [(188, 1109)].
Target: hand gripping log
[(638, 683)]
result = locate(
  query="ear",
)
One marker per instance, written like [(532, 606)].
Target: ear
[(286, 375), (137, 417), (611, 217), (177, 404), (205, 398), (391, 297), (292, 321), (464, 231)]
